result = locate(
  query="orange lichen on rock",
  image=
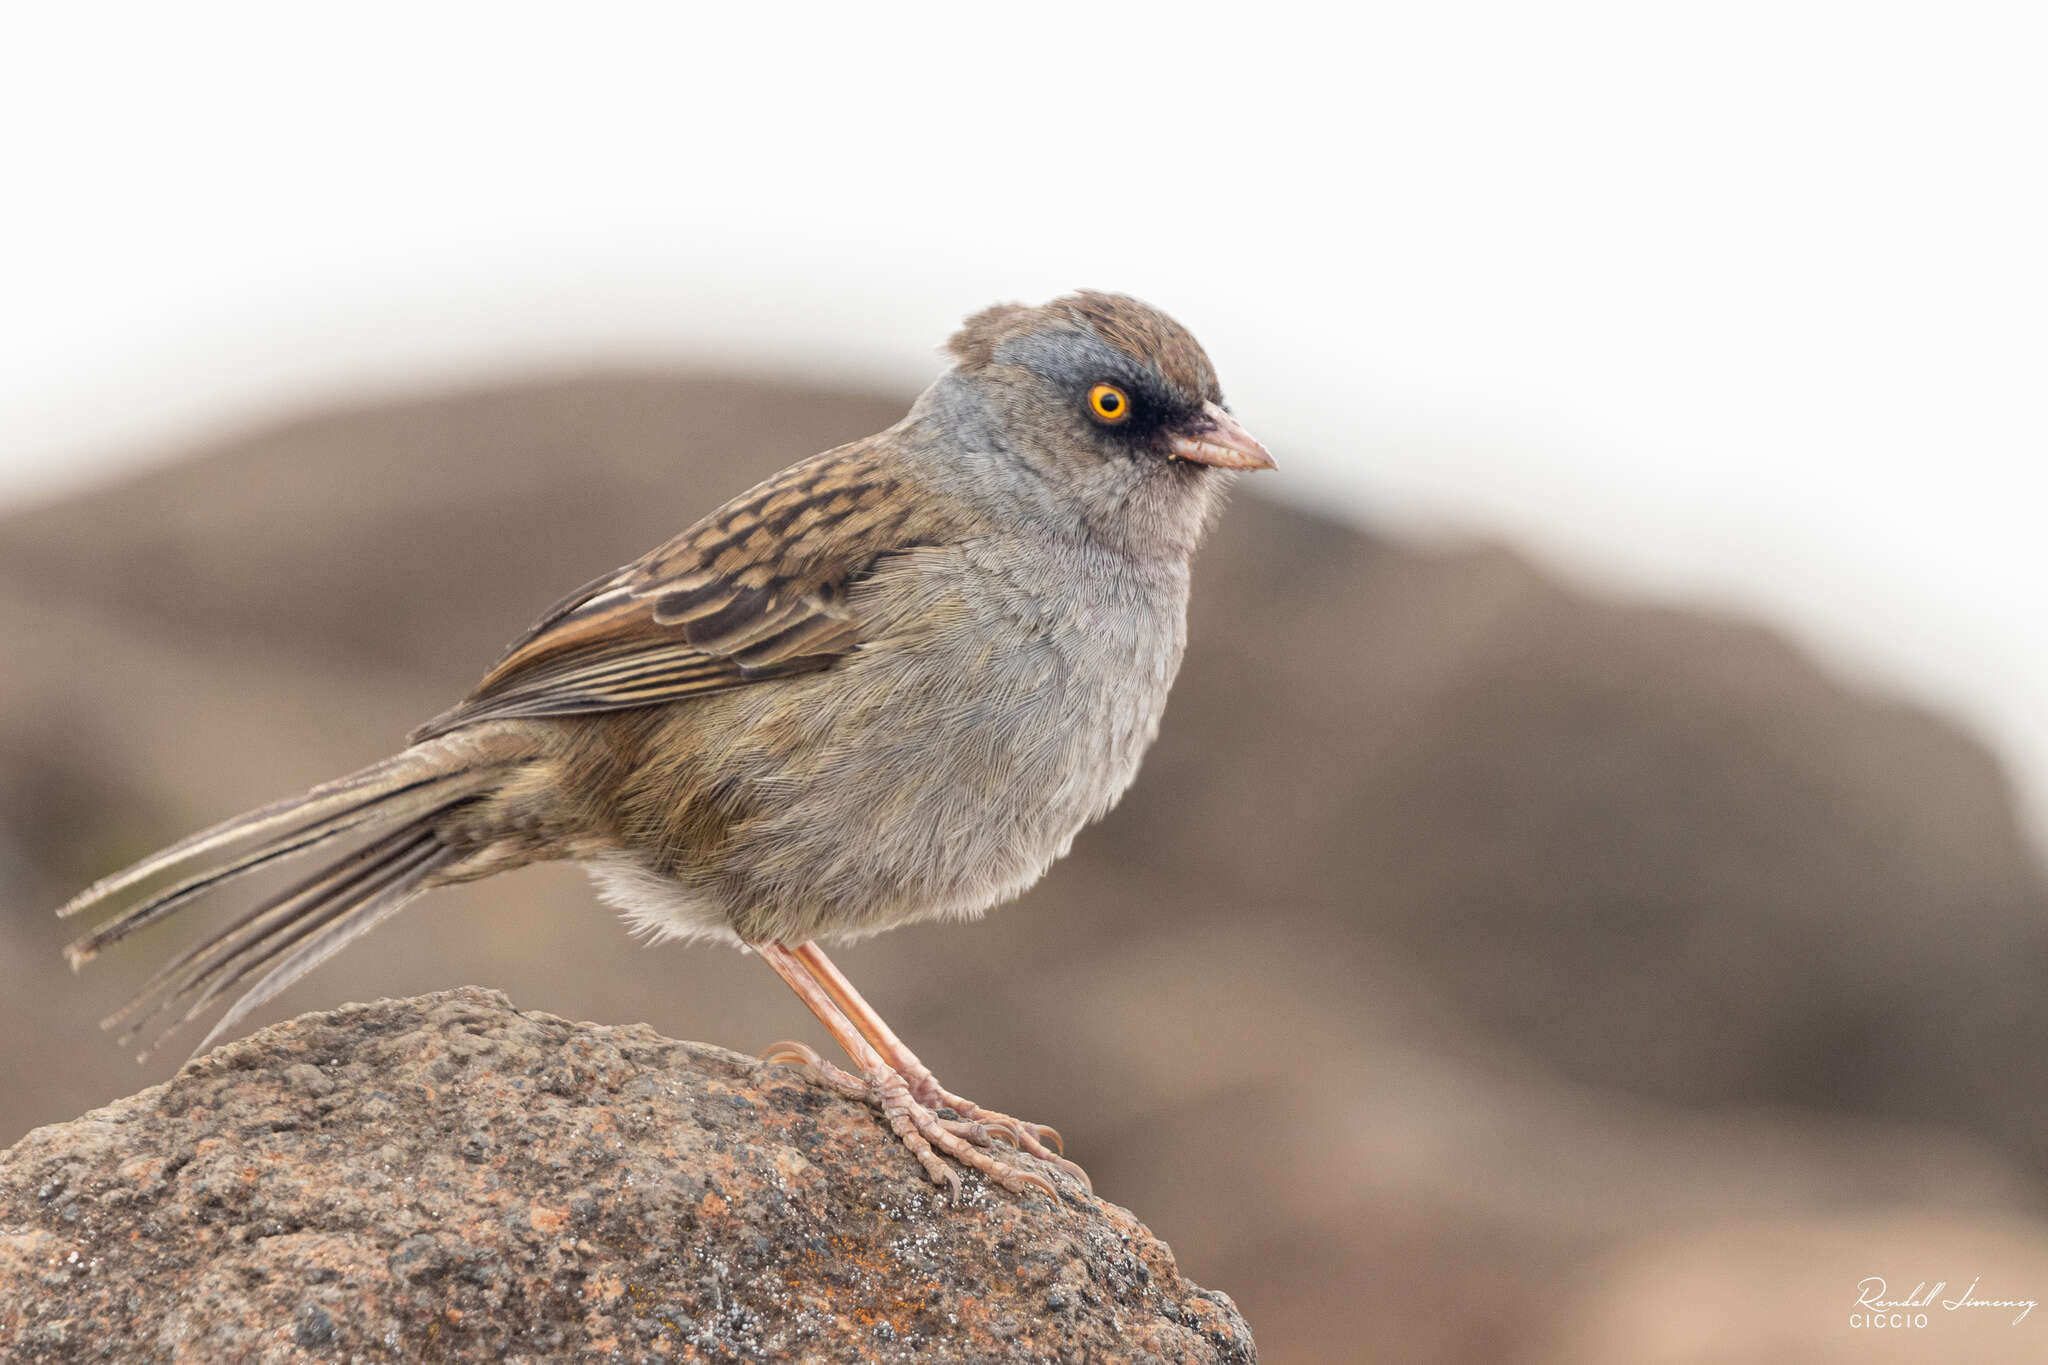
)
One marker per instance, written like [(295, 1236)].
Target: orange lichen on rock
[(558, 1191)]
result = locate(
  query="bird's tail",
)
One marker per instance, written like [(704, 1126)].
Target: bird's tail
[(396, 804)]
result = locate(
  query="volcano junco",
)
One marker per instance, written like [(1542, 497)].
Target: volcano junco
[(889, 684)]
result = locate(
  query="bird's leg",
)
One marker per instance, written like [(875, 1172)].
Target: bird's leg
[(1032, 1137), (914, 1124)]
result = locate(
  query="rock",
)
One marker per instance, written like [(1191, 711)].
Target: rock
[(448, 1178)]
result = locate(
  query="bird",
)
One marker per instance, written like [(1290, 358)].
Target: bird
[(889, 684)]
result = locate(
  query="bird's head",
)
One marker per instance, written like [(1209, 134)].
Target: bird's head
[(1106, 397), (1129, 380)]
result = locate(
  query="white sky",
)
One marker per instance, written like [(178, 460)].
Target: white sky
[(1737, 304)]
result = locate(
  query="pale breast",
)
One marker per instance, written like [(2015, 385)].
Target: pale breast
[(942, 771)]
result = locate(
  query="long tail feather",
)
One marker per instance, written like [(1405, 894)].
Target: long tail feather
[(394, 806), (334, 880), (84, 949), (360, 918), (393, 791), (328, 802), (387, 870)]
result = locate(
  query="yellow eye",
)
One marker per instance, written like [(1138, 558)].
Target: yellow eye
[(1109, 403)]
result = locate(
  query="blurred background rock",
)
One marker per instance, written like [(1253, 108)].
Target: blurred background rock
[(1481, 971), (1585, 904)]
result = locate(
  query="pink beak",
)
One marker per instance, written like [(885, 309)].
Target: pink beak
[(1220, 442)]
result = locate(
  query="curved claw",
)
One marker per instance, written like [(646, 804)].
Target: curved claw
[(791, 1053), (1012, 1131), (1029, 1137), (1046, 1154), (1044, 1133), (1017, 1136), (798, 1054), (1033, 1178), (1069, 1167)]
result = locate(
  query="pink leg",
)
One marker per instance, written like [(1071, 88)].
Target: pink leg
[(913, 1123), (1032, 1137)]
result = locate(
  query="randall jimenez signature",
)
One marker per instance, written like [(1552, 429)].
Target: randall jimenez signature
[(1873, 1309)]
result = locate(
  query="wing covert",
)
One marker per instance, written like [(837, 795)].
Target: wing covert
[(757, 590)]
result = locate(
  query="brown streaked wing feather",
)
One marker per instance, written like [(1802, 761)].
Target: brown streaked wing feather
[(756, 590)]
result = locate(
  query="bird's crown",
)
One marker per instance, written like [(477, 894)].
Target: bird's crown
[(1137, 329)]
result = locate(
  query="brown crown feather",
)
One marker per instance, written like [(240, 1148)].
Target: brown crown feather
[(1137, 329)]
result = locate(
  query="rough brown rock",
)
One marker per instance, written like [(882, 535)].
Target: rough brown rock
[(448, 1178)]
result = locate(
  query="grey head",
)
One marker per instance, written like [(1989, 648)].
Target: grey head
[(1094, 411)]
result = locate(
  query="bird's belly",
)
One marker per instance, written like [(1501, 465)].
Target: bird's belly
[(940, 819), (948, 777), (931, 775), (920, 817)]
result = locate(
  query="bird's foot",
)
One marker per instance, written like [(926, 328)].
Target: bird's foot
[(927, 1133), (1040, 1140)]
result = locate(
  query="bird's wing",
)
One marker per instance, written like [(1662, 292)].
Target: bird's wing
[(756, 590)]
